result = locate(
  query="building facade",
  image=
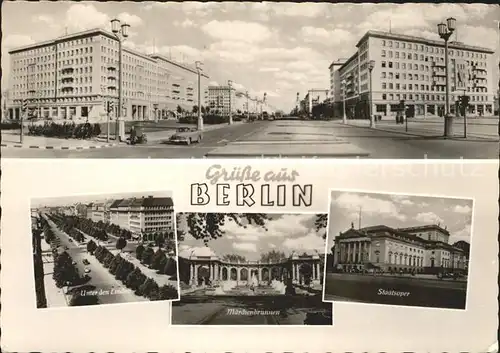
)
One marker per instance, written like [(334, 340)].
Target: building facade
[(73, 76), (413, 69), (313, 98), (99, 212), (217, 270), (144, 217), (423, 249)]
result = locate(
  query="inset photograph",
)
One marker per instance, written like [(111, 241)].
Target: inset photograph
[(104, 249), (251, 269), (396, 249)]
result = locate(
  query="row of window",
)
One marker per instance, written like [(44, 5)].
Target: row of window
[(432, 49), (427, 97)]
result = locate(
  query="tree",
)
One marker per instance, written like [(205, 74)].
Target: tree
[(147, 256), (139, 251), (167, 292), (170, 268), (234, 258), (121, 243), (113, 267), (195, 109), (133, 280), (273, 256), (148, 288), (321, 223), (203, 110), (179, 109), (159, 239), (157, 258), (306, 271), (91, 247)]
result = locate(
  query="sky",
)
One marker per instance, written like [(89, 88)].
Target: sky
[(399, 211), (71, 200), (285, 232), (277, 48)]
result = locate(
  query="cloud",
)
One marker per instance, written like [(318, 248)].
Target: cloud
[(247, 32), (324, 36), (309, 10), (186, 251), (81, 17), (132, 20), (307, 243), (213, 83), (462, 234), (428, 218), (17, 40), (250, 247), (462, 209), (187, 23), (269, 69), (369, 205), (402, 199)]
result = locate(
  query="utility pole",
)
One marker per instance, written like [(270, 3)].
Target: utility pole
[(229, 83)]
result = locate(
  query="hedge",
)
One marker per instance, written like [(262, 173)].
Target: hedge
[(65, 130)]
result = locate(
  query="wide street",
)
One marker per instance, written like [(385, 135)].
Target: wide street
[(420, 292), (100, 277), (308, 138)]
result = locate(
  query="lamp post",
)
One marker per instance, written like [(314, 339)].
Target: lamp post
[(248, 108), (445, 31), (200, 117), (371, 65), (230, 83), (120, 30), (155, 107), (344, 117), (28, 90)]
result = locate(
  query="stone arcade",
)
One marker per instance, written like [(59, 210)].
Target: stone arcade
[(244, 273)]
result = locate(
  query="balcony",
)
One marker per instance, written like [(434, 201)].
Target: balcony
[(112, 67), (65, 80), (436, 64), (479, 69), (176, 85), (67, 70), (67, 88), (111, 76), (176, 91)]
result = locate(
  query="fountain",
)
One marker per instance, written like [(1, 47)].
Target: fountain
[(278, 286), (254, 282)]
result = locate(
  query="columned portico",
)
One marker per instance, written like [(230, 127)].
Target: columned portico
[(296, 268)]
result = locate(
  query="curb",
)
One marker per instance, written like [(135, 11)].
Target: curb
[(66, 148), (440, 137)]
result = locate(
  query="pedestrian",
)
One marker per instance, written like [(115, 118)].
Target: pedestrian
[(133, 135)]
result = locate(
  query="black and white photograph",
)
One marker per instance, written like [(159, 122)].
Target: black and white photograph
[(249, 80), (251, 269), (104, 249), (396, 249)]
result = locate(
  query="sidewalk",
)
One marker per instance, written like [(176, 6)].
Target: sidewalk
[(423, 128), (55, 296), (11, 139)]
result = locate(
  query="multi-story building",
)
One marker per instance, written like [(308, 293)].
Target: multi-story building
[(423, 249), (73, 76), (220, 98), (145, 217), (315, 97), (412, 69), (99, 212)]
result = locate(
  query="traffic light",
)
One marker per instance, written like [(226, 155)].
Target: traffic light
[(110, 106), (463, 101)]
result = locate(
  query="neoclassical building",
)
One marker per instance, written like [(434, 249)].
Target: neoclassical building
[(199, 268), (420, 249)]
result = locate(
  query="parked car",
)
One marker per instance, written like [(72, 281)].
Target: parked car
[(86, 262), (87, 270), (186, 135)]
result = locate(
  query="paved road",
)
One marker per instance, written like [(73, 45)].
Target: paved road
[(100, 277), (420, 292), (293, 138)]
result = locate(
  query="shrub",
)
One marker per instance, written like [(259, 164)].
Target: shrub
[(167, 292), (65, 130)]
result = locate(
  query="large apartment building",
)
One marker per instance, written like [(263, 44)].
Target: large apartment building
[(412, 69), (145, 217), (421, 249), (218, 100), (71, 77), (315, 97)]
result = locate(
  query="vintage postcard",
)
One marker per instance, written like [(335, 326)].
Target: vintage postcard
[(251, 269), (104, 249), (398, 249), (131, 79)]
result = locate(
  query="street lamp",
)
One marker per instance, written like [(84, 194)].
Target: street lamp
[(229, 83), (120, 30), (445, 31), (200, 117), (155, 107), (248, 108), (371, 65), (344, 117), (28, 90)]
